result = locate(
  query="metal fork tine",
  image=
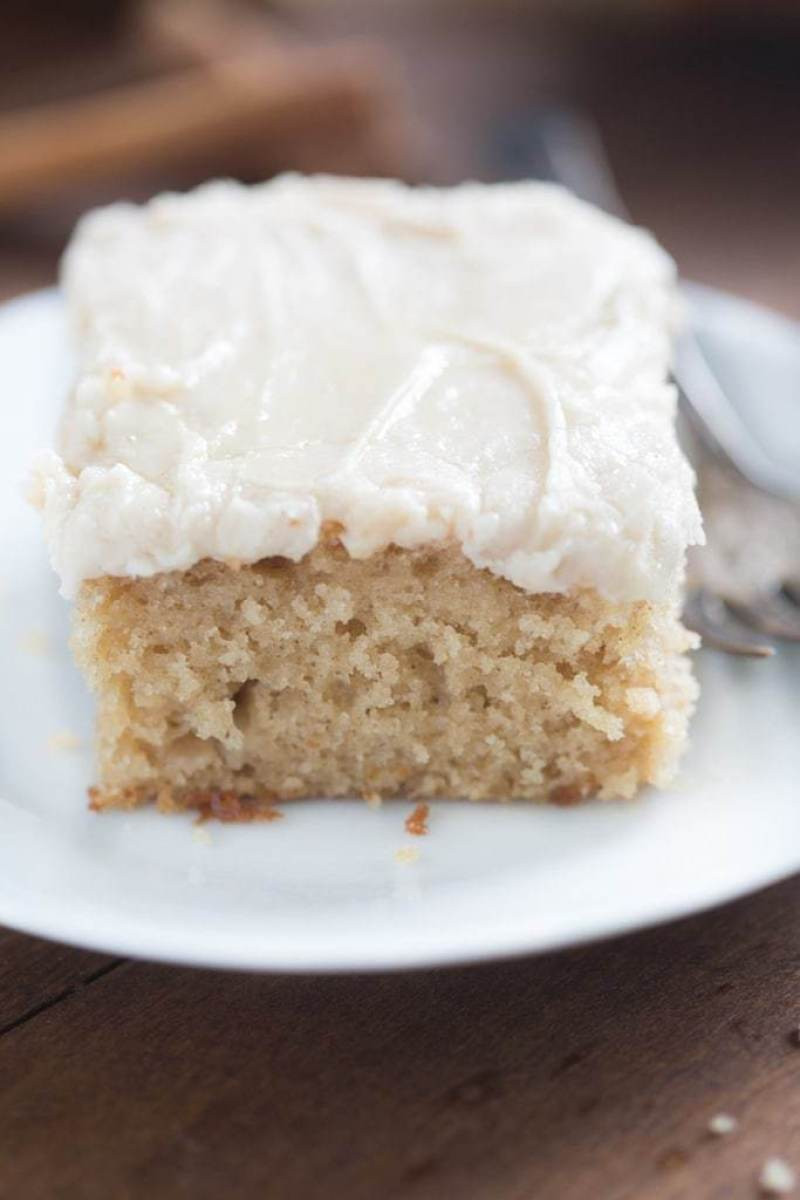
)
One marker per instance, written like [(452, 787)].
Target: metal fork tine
[(771, 613), (706, 614), (791, 590)]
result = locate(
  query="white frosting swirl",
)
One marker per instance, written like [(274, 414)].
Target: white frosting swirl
[(484, 364)]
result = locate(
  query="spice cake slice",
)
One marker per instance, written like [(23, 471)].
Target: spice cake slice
[(370, 489)]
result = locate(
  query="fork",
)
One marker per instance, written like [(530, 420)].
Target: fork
[(729, 614)]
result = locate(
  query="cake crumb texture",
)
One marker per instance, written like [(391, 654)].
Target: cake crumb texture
[(408, 673), (417, 821)]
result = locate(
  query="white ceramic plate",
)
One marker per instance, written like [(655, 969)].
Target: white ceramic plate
[(322, 889)]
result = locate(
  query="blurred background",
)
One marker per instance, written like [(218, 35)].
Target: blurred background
[(697, 103)]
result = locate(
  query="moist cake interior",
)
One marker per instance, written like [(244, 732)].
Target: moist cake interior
[(410, 672)]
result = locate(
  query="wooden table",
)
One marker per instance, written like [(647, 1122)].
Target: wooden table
[(592, 1073), (586, 1075)]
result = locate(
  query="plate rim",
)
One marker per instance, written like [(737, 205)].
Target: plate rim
[(460, 955)]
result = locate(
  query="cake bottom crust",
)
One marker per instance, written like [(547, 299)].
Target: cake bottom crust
[(409, 673)]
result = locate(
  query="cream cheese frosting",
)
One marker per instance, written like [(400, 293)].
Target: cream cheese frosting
[(484, 364)]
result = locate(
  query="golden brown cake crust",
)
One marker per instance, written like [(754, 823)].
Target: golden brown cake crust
[(407, 673)]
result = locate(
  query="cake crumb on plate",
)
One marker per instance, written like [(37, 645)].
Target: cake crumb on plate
[(63, 739), (777, 1178), (722, 1124), (417, 821), (407, 854), (35, 642), (215, 804)]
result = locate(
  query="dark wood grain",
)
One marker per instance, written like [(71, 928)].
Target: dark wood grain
[(587, 1074), (36, 974)]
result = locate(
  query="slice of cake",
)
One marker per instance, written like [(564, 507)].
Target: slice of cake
[(368, 489)]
